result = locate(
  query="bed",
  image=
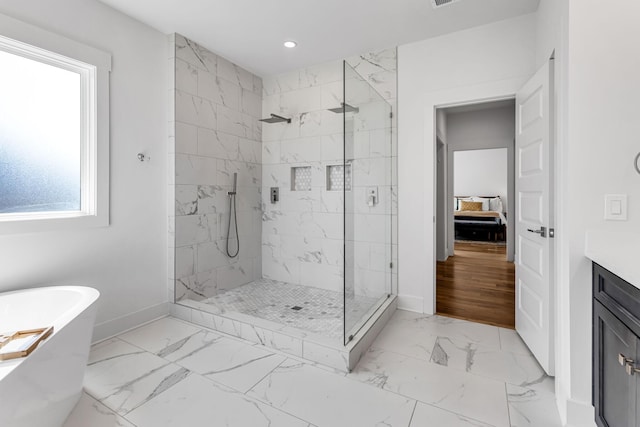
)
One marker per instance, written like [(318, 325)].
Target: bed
[(485, 224)]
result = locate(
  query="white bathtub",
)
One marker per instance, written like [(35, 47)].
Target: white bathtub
[(41, 389)]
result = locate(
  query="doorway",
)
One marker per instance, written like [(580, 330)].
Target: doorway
[(475, 273)]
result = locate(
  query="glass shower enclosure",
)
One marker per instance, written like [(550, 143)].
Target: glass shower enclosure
[(369, 207), (315, 226)]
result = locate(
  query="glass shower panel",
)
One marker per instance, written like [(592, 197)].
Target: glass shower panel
[(368, 204)]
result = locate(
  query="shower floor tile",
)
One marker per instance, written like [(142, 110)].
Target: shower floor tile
[(311, 309)]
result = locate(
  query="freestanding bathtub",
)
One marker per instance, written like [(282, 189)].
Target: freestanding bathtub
[(40, 390)]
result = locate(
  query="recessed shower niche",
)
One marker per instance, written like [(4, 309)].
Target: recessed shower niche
[(301, 178), (339, 177), (313, 276)]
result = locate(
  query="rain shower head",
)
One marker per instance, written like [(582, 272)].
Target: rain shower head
[(276, 119), (346, 108)]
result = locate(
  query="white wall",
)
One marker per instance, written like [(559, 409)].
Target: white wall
[(480, 172), (442, 226), (126, 261), (489, 128), (482, 63)]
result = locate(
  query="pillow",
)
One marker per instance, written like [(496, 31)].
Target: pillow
[(495, 204), (470, 206), (485, 202)]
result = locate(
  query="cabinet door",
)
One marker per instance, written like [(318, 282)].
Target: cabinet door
[(614, 389)]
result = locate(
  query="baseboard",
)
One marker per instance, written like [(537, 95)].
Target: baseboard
[(580, 414), (116, 326), (411, 303)]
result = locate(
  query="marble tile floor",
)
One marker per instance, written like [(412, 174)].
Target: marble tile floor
[(422, 371), (316, 310)]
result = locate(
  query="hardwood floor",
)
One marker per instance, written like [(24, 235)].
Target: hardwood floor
[(477, 284)]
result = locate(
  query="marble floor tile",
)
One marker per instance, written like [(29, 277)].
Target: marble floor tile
[(235, 364), (196, 401), (405, 339), (136, 392), (327, 400), (427, 415), (530, 408), (511, 341), (470, 395), (421, 371), (191, 344), (157, 336), (514, 368), (415, 335), (114, 364), (90, 412)]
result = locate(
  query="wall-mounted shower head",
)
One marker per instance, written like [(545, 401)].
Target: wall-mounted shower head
[(235, 183), (276, 119), (345, 108)]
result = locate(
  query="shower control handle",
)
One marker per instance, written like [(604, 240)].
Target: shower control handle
[(275, 195)]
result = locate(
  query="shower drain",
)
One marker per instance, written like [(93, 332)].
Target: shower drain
[(296, 308)]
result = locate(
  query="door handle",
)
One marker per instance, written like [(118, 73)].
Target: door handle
[(542, 232)]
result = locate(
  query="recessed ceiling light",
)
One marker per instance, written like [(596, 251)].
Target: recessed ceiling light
[(290, 44)]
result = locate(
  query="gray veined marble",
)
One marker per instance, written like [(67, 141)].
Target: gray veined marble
[(531, 408), (122, 377), (89, 411), (248, 385), (216, 107)]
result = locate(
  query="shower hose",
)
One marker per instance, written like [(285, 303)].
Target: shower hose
[(233, 212)]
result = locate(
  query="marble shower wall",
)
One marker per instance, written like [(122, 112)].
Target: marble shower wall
[(216, 132), (302, 234)]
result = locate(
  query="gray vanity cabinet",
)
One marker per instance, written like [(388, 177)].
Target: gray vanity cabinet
[(616, 350)]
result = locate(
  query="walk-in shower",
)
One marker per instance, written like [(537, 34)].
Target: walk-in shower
[(310, 194)]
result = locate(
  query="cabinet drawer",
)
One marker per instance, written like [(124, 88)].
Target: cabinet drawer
[(618, 296)]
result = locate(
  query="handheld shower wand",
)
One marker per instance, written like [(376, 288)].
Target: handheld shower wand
[(233, 210)]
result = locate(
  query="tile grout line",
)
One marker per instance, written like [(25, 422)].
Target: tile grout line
[(508, 406), (415, 406), (250, 398), (112, 411), (265, 376)]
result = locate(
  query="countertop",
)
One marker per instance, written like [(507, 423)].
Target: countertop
[(617, 252)]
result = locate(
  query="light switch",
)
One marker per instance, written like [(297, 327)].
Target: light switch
[(615, 207)]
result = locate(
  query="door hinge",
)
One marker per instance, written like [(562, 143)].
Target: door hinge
[(390, 265), (552, 233), (391, 115)]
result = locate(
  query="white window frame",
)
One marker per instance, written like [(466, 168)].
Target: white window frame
[(93, 65)]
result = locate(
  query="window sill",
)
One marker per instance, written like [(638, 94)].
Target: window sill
[(17, 224)]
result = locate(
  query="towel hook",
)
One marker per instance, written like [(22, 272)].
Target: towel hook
[(636, 163)]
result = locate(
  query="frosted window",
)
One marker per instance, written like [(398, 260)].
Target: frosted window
[(339, 178), (301, 179), (40, 136)]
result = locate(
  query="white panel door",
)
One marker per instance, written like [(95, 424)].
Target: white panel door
[(534, 195)]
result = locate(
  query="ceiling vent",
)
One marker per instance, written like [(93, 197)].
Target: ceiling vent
[(439, 3)]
